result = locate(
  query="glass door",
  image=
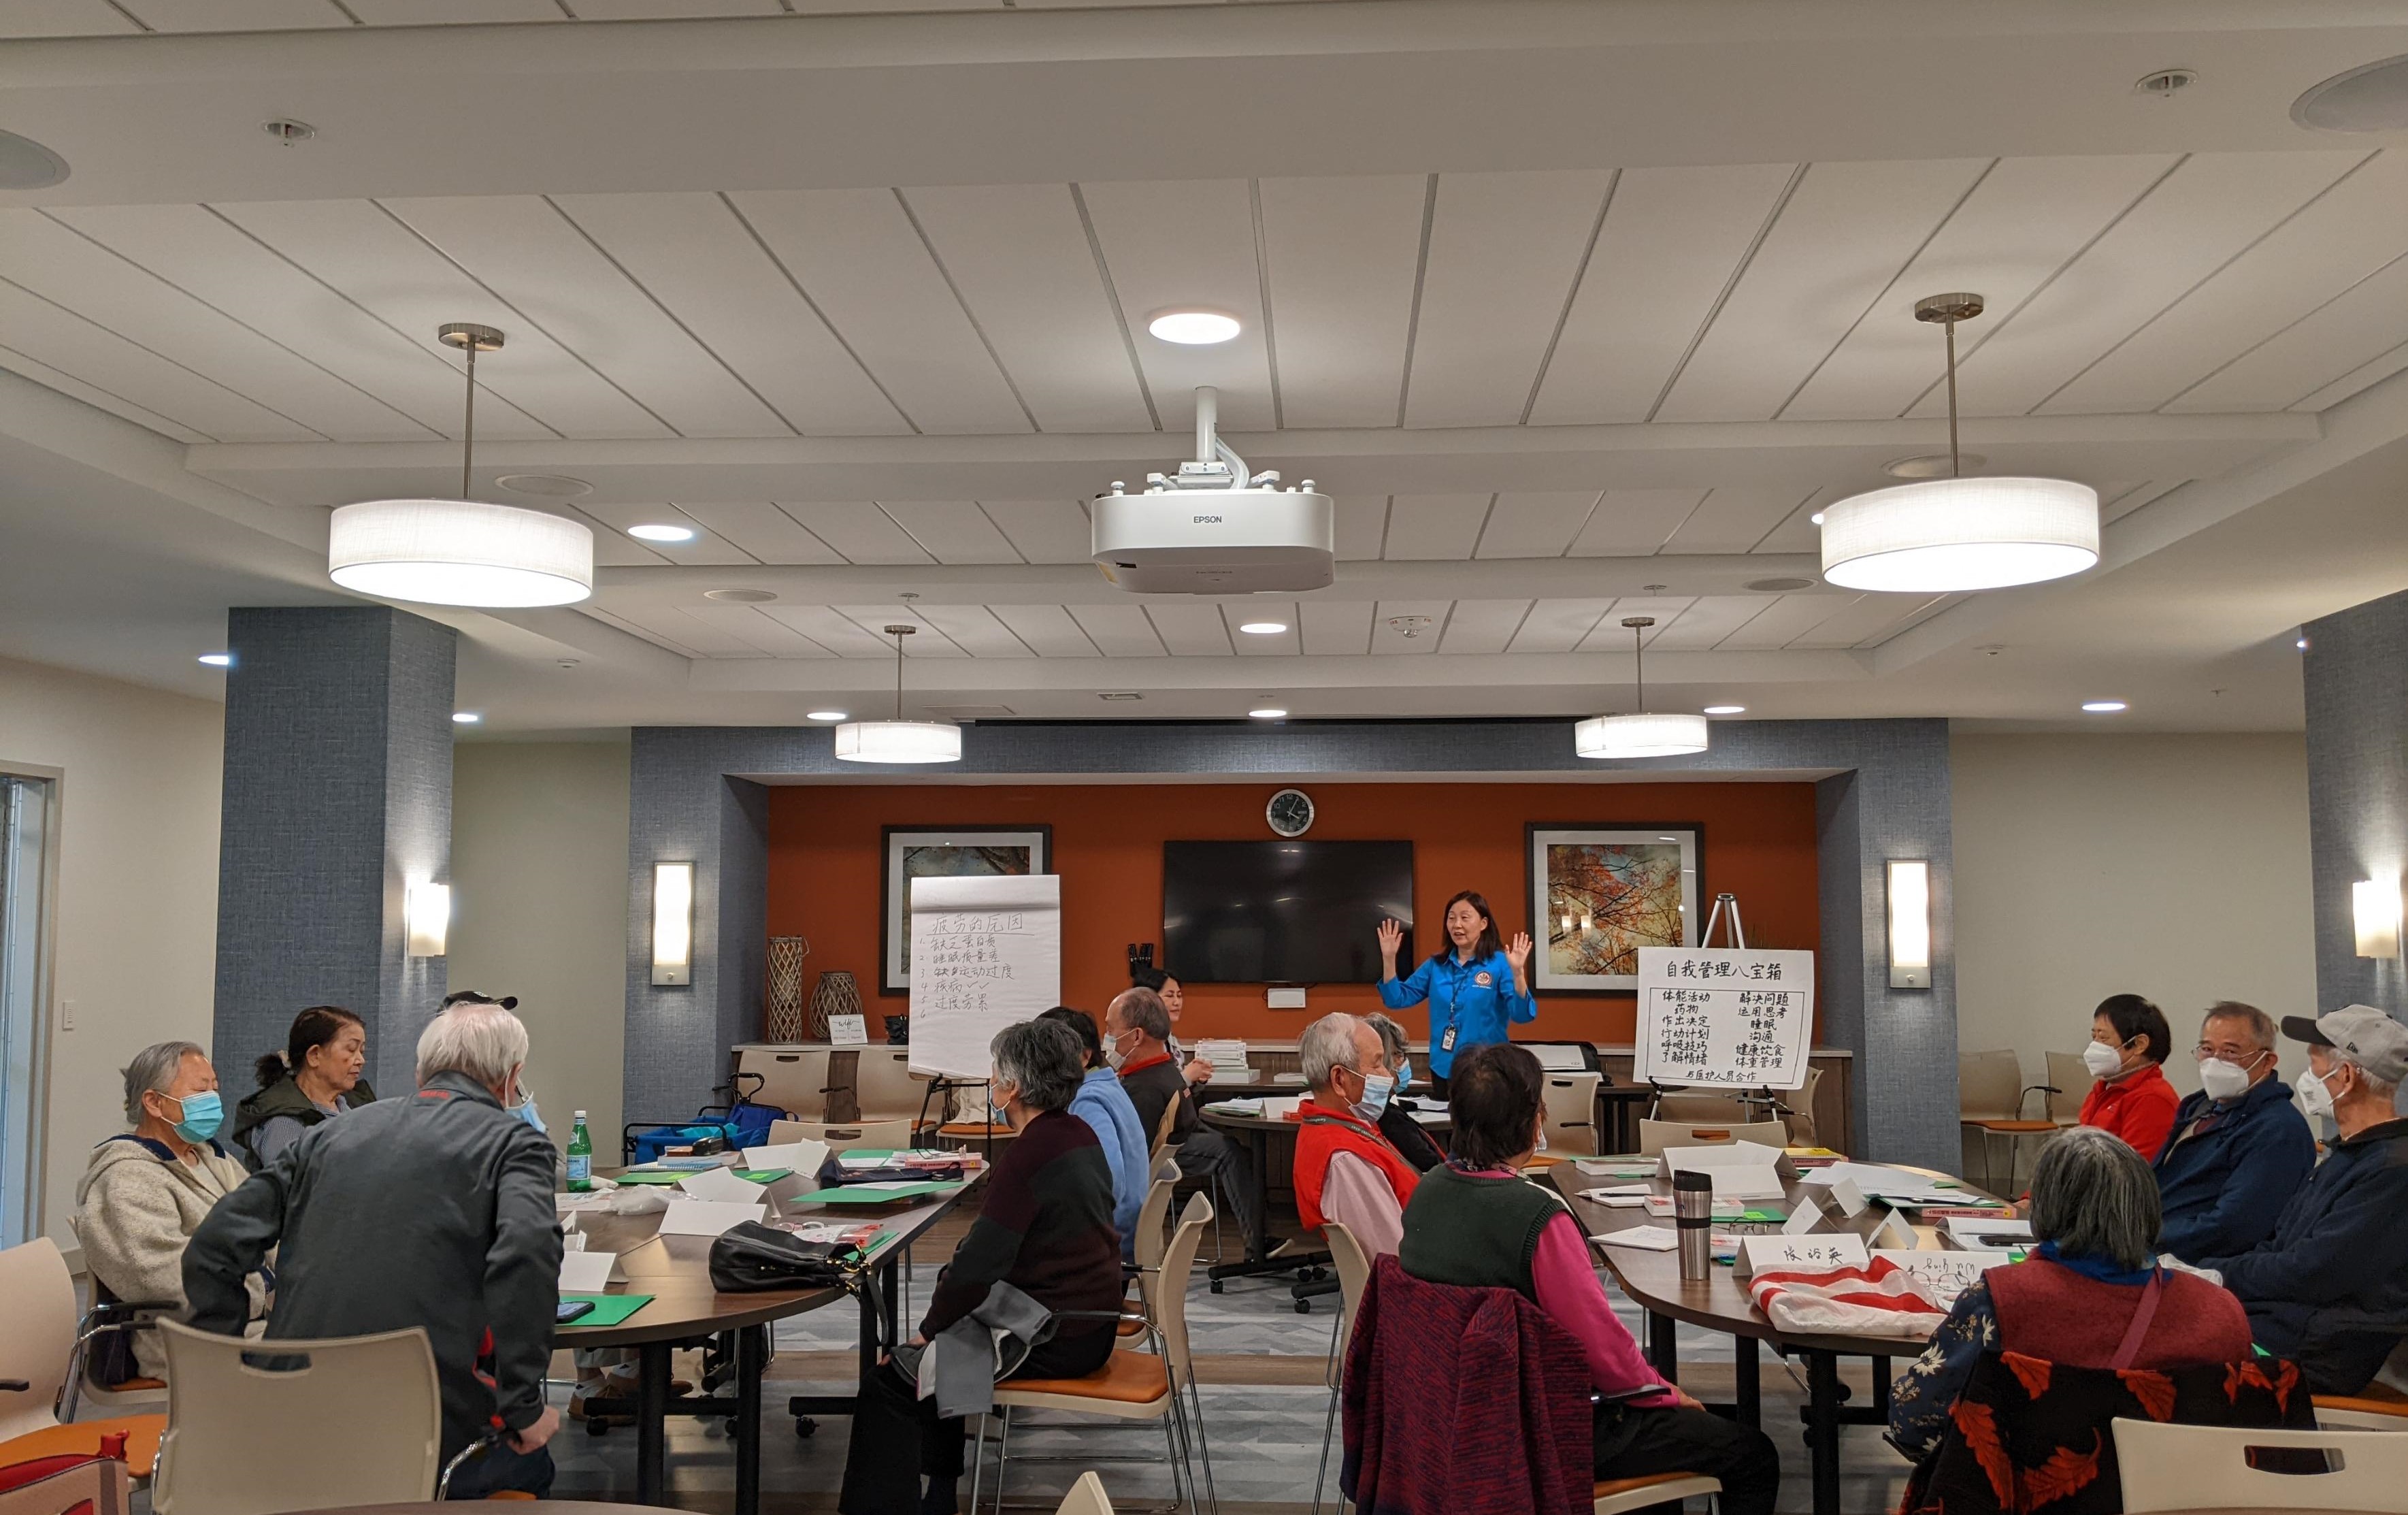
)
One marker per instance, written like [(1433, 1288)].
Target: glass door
[(24, 834)]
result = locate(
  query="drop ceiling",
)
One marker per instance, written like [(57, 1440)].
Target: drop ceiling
[(1579, 310)]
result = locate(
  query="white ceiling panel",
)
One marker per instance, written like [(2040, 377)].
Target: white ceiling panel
[(453, 13), (2204, 212), (1342, 257), (2356, 379), (2350, 233), (839, 634), (1634, 523), (667, 9), (855, 252), (2124, 500), (1610, 635), (521, 247), (672, 624), (1021, 260), (1272, 645), (858, 529), (975, 630), (216, 262), (1044, 530), (1846, 231), (612, 548), (707, 549), (385, 268), (690, 254), (1118, 630), (2024, 222), (1505, 252), (1440, 527), (1864, 622), (1797, 532), (1388, 637), (1535, 525), (929, 640), (1733, 520), (1706, 622), (63, 18), (1047, 630), (747, 625), (763, 530), (2344, 335), (1672, 241), (42, 373), (1189, 630), (236, 15), (1340, 628), (1482, 626), (101, 358), (952, 530), (1782, 622), (55, 262), (1558, 625), (1187, 243), (1362, 526)]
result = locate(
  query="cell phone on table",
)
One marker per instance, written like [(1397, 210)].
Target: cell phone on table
[(571, 1309)]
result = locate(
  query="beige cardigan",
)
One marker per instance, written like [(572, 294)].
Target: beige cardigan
[(135, 1209)]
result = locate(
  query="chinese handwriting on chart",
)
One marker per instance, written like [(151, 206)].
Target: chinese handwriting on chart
[(1766, 973), (960, 957)]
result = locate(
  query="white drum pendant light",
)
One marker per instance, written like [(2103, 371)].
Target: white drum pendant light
[(461, 552), (1944, 535), (1640, 735), (899, 741)]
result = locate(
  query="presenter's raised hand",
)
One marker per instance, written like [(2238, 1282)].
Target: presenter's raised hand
[(1392, 936), (1517, 956)]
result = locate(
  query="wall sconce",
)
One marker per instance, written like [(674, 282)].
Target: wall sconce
[(2375, 905), (1910, 923), (427, 912), (673, 923)]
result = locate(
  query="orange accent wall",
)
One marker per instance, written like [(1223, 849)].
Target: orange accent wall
[(824, 846)]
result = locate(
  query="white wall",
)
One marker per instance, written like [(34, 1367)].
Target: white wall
[(539, 910), (138, 889), (2174, 867)]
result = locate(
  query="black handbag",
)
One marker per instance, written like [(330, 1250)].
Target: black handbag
[(750, 1257)]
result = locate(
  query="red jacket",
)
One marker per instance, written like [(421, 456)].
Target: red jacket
[(1322, 1133), (2139, 1107)]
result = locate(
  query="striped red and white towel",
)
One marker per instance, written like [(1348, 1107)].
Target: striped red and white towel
[(1881, 1299)]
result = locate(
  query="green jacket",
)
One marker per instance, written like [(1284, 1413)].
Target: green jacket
[(283, 1098)]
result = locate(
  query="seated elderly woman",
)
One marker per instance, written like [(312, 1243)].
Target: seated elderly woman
[(1396, 1123), (1045, 1227), (144, 1191), (2094, 1209)]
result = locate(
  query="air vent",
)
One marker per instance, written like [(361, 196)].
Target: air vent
[(2370, 99), (740, 597), (1118, 694), (545, 485), (1778, 586)]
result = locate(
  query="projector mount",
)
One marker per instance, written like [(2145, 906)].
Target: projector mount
[(1216, 464)]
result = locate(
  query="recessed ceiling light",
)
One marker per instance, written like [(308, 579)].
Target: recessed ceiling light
[(226, 659), (2302, 644), (1193, 326), (1267, 712), (661, 532), (827, 715), (25, 164), (1263, 628), (1726, 710), (466, 717), (547, 485), (2102, 707), (1817, 518), (740, 597)]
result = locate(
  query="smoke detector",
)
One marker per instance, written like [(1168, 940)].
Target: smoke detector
[(2165, 84), (1410, 627)]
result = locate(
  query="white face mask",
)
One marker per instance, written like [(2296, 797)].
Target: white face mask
[(2315, 1097), (2223, 1080), (2102, 1059)]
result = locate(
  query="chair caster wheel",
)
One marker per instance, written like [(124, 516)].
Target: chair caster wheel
[(731, 1428), (1216, 1286), (1304, 1306), (805, 1426), (596, 1426)]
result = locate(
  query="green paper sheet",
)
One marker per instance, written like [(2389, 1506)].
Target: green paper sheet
[(609, 1309), (649, 1176), (853, 1194), (763, 1176)]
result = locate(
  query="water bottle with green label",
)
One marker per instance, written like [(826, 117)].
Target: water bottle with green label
[(581, 1158)]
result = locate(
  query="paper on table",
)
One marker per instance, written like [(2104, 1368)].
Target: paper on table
[(1643, 1238), (707, 1217), (719, 1185), (802, 1157), (1615, 1167), (886, 1186), (585, 1271), (1611, 1189)]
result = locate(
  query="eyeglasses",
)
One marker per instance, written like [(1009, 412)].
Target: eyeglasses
[(2229, 1052)]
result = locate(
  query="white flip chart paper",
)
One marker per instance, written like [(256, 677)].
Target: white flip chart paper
[(985, 952)]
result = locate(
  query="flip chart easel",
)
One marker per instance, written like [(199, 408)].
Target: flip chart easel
[(1718, 1014)]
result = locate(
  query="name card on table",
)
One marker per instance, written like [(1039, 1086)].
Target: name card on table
[(1832, 1203), (586, 1272), (720, 1185), (803, 1157), (1731, 1019), (848, 1030), (1739, 1170), (1800, 1254), (707, 1217)]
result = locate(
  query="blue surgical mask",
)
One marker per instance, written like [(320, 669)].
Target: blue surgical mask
[(525, 1111), (1404, 1073), (1376, 1090), (203, 1113)]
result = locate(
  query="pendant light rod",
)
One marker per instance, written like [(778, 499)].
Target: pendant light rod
[(472, 340), (899, 632), (1638, 654), (1948, 310)]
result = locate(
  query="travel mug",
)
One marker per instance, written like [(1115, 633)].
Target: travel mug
[(1692, 1215)]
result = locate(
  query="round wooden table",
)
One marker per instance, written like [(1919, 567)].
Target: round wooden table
[(534, 1506)]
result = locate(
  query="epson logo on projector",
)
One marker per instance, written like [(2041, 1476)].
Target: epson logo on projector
[(1208, 520)]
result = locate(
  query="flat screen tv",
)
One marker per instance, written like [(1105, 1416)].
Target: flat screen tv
[(1282, 912)]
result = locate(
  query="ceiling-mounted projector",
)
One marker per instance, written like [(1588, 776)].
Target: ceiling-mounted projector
[(1212, 528)]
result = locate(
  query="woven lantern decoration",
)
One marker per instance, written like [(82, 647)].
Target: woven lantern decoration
[(783, 1018), (837, 995)]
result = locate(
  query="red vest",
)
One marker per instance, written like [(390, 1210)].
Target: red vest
[(2053, 1312), (1322, 1133)]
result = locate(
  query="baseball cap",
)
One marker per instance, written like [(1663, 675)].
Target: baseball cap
[(508, 1002), (2361, 1034)]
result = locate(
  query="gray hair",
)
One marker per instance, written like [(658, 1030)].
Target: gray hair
[(483, 1041), (2260, 1024), (2093, 1196), (1141, 1009), (1041, 1059), (1392, 1040), (152, 1070), (1327, 1043)]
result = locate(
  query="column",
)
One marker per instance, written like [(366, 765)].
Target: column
[(2356, 677), (337, 798)]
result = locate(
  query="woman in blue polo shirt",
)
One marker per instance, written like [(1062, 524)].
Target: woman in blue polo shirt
[(1473, 990)]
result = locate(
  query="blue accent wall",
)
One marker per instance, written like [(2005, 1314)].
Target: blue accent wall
[(2356, 677)]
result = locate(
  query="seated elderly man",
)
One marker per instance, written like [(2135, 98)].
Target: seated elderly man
[(1137, 1032), (1345, 1170), (2329, 1289), (2239, 1148), (434, 1211), (1105, 1106), (145, 1191), (1044, 1226)]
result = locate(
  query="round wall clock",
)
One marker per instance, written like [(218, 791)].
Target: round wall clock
[(1290, 812)]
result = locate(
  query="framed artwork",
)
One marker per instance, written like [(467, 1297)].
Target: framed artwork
[(950, 852), (1601, 891)]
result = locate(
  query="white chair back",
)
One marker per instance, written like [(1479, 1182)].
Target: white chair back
[(1354, 1268), (228, 1449), (1570, 1102), (2168, 1466), (1086, 1497), (793, 1080), (38, 1333), (1655, 1135), (1803, 1130), (1170, 1293), (883, 1088), (1149, 1217), (1699, 1106)]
